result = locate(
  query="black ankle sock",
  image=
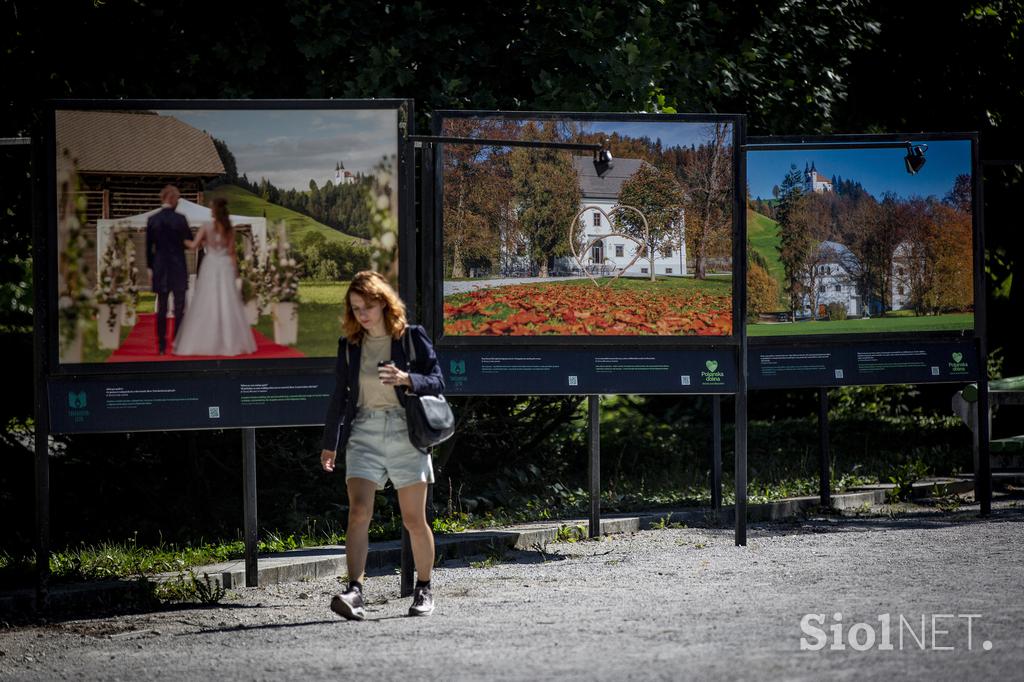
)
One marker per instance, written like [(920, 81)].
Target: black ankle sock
[(423, 583), (355, 585)]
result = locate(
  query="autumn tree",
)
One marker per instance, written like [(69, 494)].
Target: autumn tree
[(657, 195), (476, 195), (960, 196), (934, 260), (707, 185), (795, 242), (762, 290), (881, 226), (546, 195), (953, 258)]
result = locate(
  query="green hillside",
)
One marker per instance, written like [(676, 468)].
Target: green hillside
[(763, 234), (242, 202)]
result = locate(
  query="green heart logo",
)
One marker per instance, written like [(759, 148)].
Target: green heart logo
[(712, 365), (957, 357)]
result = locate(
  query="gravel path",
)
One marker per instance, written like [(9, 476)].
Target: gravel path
[(662, 604)]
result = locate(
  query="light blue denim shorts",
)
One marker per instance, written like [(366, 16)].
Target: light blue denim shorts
[(379, 449)]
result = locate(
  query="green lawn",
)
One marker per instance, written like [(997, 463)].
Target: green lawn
[(320, 306), (242, 202), (763, 233), (880, 325)]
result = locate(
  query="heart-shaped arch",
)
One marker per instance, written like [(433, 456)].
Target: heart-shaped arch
[(641, 246)]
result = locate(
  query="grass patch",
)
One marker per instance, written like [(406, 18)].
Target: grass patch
[(331, 293), (319, 329), (763, 233), (242, 202), (113, 560), (888, 324)]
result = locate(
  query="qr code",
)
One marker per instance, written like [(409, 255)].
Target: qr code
[(684, 379), (214, 412), (839, 374), (574, 380), (935, 371)]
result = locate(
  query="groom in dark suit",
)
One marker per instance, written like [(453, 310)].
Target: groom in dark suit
[(166, 232)]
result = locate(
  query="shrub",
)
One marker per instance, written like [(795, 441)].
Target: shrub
[(762, 291), (836, 311)]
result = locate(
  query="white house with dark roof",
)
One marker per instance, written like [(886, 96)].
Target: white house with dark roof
[(835, 278), (601, 185)]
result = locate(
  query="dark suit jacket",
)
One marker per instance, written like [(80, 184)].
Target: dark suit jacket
[(426, 380), (166, 232)]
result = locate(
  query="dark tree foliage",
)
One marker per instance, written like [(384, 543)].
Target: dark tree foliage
[(796, 68)]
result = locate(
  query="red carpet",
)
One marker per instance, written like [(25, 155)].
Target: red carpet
[(140, 346)]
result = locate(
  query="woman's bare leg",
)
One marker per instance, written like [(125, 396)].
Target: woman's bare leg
[(361, 493), (412, 499)]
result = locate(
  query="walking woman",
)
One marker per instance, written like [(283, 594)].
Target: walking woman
[(366, 421)]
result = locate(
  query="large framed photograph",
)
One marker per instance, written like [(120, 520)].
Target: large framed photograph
[(862, 236), (629, 240), (194, 234)]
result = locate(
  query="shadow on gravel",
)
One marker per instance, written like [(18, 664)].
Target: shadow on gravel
[(502, 555), (897, 520), (91, 620), (254, 628)]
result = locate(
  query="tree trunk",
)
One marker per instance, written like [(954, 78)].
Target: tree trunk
[(458, 269)]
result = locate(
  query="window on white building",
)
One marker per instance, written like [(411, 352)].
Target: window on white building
[(597, 219), (839, 287), (643, 271), (821, 289), (619, 250), (667, 252)]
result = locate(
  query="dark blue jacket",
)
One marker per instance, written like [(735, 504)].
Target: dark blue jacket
[(426, 380), (166, 232)]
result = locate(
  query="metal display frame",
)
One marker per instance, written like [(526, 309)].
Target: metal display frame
[(421, 280), (735, 344), (212, 375), (974, 340)]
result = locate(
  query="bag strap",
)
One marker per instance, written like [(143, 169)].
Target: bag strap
[(410, 347)]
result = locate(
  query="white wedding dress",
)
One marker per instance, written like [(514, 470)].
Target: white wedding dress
[(215, 322)]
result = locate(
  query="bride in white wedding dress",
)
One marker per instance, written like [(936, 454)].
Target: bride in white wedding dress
[(215, 323)]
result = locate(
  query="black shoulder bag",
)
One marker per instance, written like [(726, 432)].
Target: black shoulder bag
[(429, 417)]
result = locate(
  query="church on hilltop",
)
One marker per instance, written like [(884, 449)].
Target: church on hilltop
[(815, 181), (342, 176)]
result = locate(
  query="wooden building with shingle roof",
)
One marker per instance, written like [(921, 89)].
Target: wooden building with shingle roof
[(124, 159)]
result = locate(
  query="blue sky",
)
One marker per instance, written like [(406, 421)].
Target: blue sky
[(292, 147), (878, 170), (671, 133)]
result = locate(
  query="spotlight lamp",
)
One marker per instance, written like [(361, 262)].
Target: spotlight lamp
[(604, 155), (915, 157)]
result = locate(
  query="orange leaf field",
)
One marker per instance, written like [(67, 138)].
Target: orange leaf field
[(578, 309)]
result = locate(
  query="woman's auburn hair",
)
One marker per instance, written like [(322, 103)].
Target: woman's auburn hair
[(373, 288)]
